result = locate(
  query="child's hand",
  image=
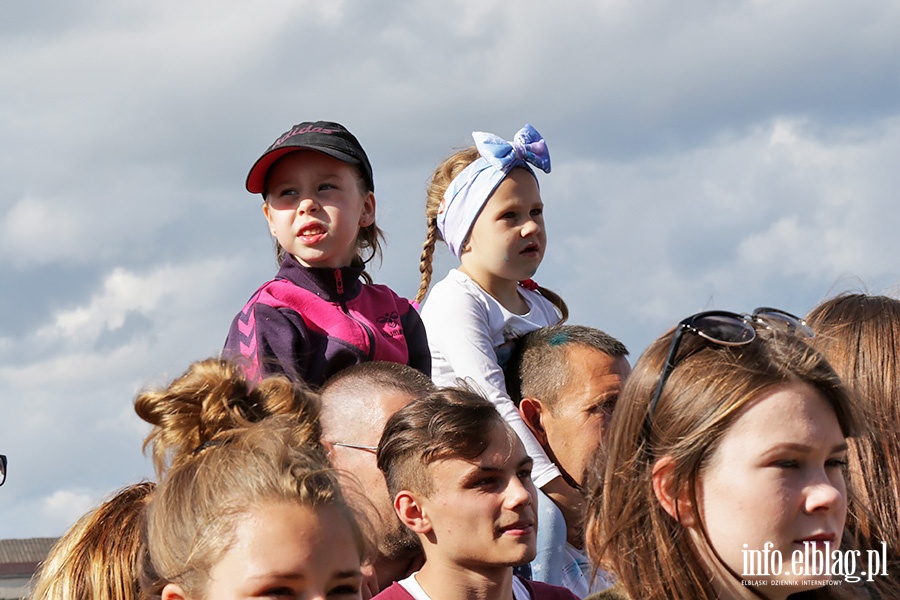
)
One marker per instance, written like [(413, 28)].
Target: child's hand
[(571, 502)]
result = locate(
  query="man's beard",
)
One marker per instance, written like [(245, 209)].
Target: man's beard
[(399, 543)]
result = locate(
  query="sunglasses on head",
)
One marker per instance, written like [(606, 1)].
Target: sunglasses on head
[(727, 329)]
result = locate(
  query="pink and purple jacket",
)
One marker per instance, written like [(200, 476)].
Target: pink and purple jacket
[(309, 323)]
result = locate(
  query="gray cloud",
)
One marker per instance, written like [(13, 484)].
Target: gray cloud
[(705, 154)]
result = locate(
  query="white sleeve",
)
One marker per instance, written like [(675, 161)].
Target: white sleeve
[(459, 331)]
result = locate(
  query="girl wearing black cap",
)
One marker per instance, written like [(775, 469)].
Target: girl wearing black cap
[(321, 312)]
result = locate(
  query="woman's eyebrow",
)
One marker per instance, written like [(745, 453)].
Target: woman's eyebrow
[(842, 447)]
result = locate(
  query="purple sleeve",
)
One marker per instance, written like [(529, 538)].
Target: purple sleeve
[(270, 341), (416, 341)]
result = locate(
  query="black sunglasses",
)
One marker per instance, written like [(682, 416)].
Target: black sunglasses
[(727, 329), (2, 469)]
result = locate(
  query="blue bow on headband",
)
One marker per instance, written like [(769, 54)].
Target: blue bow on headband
[(470, 189), (527, 147)]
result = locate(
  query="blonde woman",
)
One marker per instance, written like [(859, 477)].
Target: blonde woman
[(98, 557), (252, 515), (247, 506)]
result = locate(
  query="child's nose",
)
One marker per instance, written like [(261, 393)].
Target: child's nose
[(530, 227), (307, 205)]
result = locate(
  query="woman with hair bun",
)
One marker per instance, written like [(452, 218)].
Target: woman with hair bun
[(249, 516), (214, 396), (247, 506)]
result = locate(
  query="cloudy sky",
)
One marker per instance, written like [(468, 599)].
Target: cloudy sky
[(706, 154)]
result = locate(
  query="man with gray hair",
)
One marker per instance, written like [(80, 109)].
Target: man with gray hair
[(356, 404)]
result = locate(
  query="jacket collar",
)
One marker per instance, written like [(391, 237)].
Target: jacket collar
[(333, 284)]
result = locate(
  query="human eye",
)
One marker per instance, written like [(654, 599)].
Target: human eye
[(786, 463), (838, 462), (286, 191), (327, 186), (277, 592), (344, 589), (604, 406), (483, 481), (524, 474), (508, 215), (486, 481), (537, 211)]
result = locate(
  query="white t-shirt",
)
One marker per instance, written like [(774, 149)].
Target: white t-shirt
[(469, 335)]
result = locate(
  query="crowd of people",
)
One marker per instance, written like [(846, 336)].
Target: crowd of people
[(349, 443)]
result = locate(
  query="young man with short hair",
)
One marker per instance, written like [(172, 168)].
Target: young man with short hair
[(461, 480)]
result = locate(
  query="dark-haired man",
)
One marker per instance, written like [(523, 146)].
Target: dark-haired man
[(461, 481)]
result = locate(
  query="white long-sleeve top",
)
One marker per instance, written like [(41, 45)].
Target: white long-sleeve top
[(469, 335)]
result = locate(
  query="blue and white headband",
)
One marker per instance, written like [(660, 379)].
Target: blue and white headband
[(468, 192)]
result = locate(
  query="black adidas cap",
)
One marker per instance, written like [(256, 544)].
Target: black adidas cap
[(327, 137)]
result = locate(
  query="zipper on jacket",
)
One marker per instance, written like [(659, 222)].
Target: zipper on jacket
[(339, 287)]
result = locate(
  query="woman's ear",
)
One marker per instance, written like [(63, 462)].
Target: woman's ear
[(411, 512), (173, 591), (676, 502)]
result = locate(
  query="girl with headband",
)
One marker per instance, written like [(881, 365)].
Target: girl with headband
[(485, 203)]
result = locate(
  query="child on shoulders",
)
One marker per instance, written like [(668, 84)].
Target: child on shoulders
[(321, 312), (485, 203)]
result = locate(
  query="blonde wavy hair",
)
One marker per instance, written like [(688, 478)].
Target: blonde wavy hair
[(213, 397), (192, 519), (98, 558), (223, 446)]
